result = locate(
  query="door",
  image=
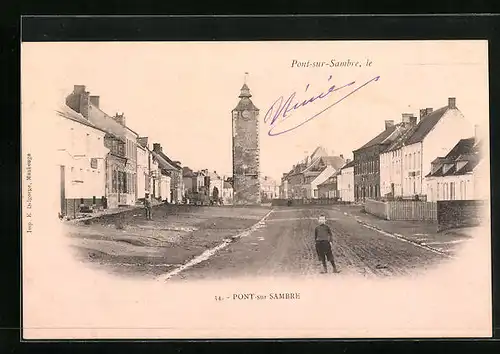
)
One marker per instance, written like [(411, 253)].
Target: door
[(63, 189)]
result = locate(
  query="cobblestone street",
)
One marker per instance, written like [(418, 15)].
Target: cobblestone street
[(188, 242)]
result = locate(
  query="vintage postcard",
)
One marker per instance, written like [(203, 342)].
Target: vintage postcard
[(299, 189)]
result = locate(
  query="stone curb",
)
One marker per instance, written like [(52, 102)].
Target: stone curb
[(403, 238)]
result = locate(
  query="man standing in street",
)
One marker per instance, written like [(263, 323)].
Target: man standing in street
[(148, 207), (323, 237)]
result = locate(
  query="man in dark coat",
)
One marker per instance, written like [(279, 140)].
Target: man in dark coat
[(148, 207), (323, 237)]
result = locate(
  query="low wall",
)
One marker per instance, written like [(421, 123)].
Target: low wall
[(377, 208), (409, 210), (71, 207), (459, 213)]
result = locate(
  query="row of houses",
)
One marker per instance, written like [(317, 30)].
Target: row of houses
[(104, 163), (312, 177), (419, 157), (431, 157)]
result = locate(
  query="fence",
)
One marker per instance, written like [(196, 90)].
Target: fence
[(296, 202), (410, 210), (459, 213)]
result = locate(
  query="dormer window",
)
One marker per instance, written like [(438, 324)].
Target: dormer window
[(461, 164), (446, 167)]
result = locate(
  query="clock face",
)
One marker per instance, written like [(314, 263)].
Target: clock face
[(245, 114)]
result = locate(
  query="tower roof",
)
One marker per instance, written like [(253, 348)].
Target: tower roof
[(245, 91), (245, 101)]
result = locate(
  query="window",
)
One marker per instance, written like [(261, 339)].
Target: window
[(405, 162), (114, 182), (452, 190), (437, 191)]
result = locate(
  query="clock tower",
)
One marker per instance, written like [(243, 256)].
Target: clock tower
[(246, 167)]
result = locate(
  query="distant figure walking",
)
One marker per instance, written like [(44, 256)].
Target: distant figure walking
[(323, 237), (148, 207)]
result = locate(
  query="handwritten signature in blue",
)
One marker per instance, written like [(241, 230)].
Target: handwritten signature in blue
[(281, 111)]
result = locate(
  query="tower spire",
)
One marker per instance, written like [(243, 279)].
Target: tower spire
[(245, 91)]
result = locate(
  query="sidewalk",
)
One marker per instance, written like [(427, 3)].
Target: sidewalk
[(419, 232)]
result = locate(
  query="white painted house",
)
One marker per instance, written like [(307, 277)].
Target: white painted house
[(345, 182), (409, 158), (81, 160), (328, 172), (453, 177)]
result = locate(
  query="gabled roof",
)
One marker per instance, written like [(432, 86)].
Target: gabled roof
[(107, 123), (168, 160), (66, 112), (466, 150), (187, 172), (162, 162), (405, 131), (379, 138), (329, 181), (335, 161), (426, 124), (347, 165)]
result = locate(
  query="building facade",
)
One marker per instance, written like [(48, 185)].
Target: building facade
[(246, 150), (173, 170), (143, 169), (367, 167), (328, 189), (227, 193), (121, 162), (269, 188), (410, 158), (345, 182), (215, 186), (453, 177), (81, 160), (302, 180)]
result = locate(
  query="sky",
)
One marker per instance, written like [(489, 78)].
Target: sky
[(181, 94)]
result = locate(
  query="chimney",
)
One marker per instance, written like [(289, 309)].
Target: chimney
[(84, 104), (94, 100), (413, 120), (78, 89), (120, 118), (389, 123), (143, 141), (342, 156), (428, 111), (452, 103), (423, 113), (348, 160), (406, 117), (157, 147)]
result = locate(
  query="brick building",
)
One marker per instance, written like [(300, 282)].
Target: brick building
[(367, 162), (303, 179), (246, 165)]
